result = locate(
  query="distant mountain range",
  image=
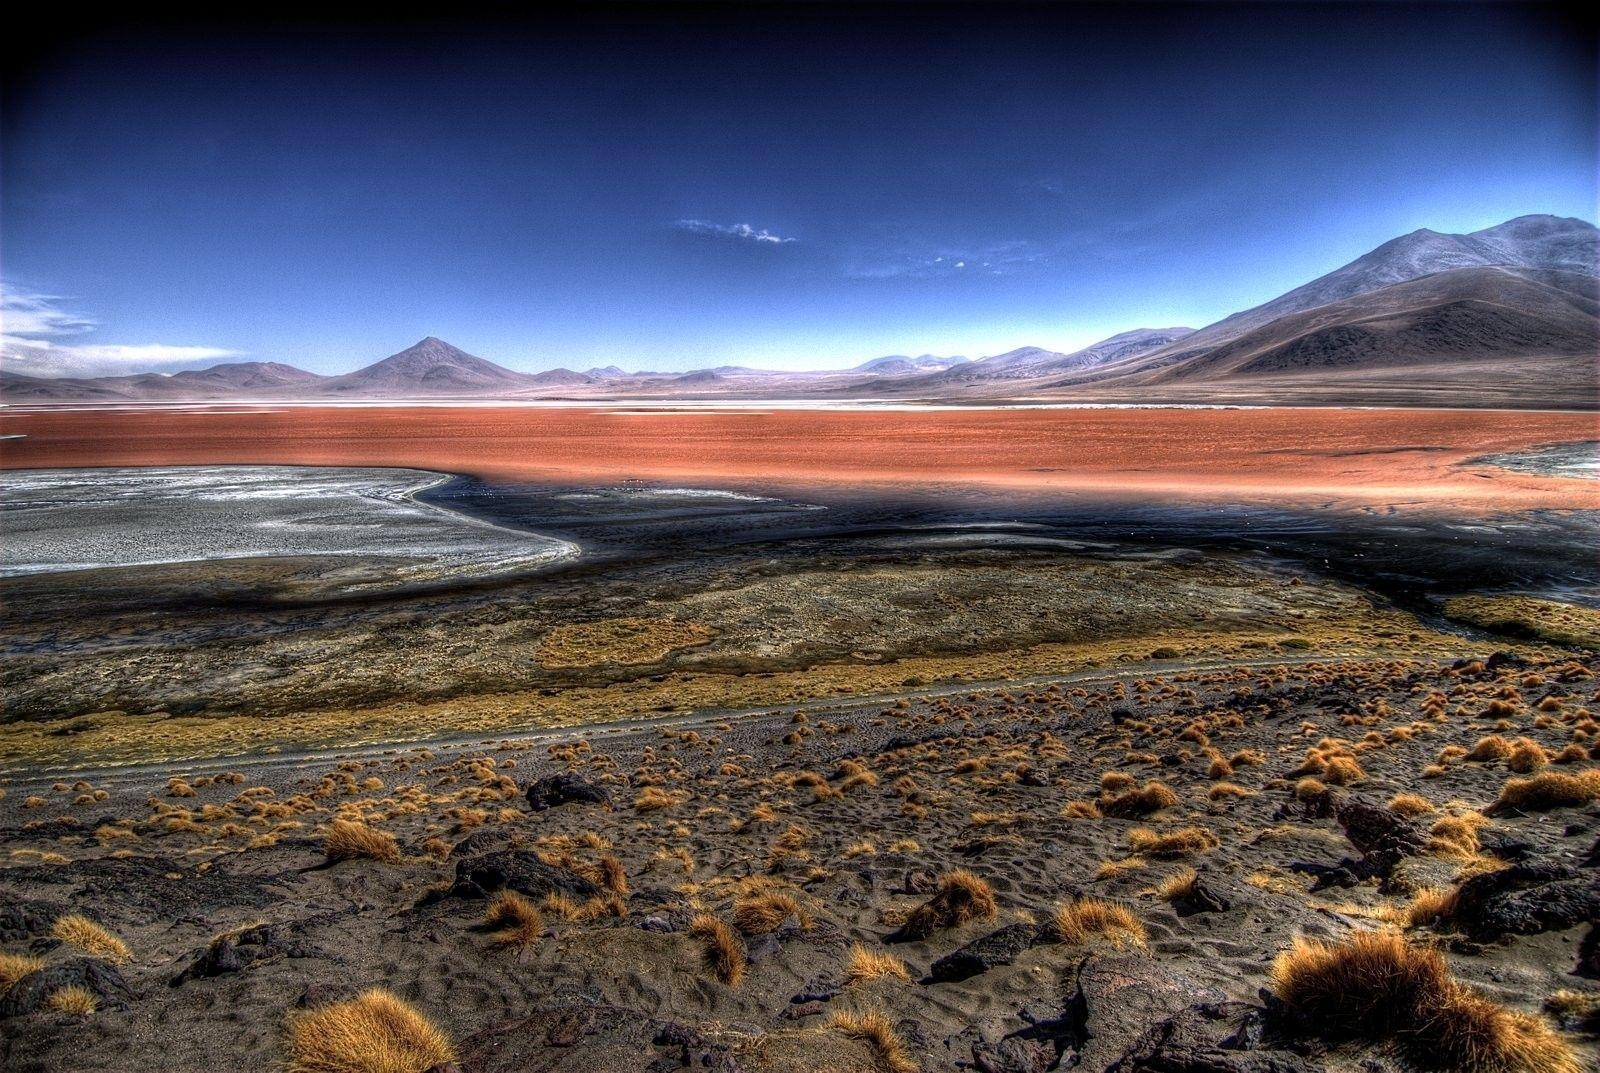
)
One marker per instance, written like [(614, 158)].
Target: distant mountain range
[(1509, 315)]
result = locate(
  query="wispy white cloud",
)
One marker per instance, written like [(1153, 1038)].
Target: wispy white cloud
[(992, 259), (736, 231), (36, 339), (38, 314)]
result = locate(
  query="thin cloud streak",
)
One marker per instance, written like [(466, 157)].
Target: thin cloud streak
[(735, 231), (31, 325)]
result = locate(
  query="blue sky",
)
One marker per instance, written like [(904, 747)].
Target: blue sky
[(806, 187)]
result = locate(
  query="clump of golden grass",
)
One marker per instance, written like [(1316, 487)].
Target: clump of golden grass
[(1114, 782), (1342, 771), (1527, 756), (724, 949), (74, 1000), (865, 965), (1431, 905), (516, 920), (1075, 921), (1307, 788), (1080, 810), (1374, 986), (1455, 836), (653, 798), (83, 933), (1153, 796), (1168, 844), (1548, 790), (874, 1028), (1493, 747), (1410, 805), (13, 967), (375, 1032), (962, 896), (1179, 884), (347, 840), (759, 911)]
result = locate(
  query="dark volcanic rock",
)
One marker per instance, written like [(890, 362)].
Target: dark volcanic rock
[(993, 950), (1202, 897), (518, 870), (1118, 998), (1014, 1054), (1526, 899), (566, 1036), (1374, 828), (30, 993), (1209, 1038), (237, 952), (140, 885), (553, 791), (26, 918)]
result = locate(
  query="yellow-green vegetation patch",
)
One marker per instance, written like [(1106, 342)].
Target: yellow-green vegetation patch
[(626, 641), (113, 737), (1529, 617)]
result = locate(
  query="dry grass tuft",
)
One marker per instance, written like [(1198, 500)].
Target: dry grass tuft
[(724, 949), (1455, 836), (962, 896), (348, 840), (1153, 796), (1527, 756), (73, 1000), (91, 938), (1168, 844), (761, 911), (654, 798), (515, 919), (1432, 905), (14, 967), (1493, 747), (1548, 790), (865, 965), (1376, 987), (874, 1028), (1410, 805), (1179, 884), (375, 1032), (1077, 920)]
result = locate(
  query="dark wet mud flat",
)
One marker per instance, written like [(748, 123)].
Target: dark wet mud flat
[(1412, 557)]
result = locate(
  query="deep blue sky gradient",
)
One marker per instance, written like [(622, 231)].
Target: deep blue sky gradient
[(949, 180)]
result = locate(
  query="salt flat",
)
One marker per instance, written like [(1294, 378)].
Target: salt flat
[(83, 519)]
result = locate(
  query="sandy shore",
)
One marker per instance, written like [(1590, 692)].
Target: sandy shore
[(1396, 457)]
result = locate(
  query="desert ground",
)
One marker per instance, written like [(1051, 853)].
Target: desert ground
[(1177, 741)]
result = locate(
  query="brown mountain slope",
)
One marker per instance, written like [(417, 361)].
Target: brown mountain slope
[(1470, 314)]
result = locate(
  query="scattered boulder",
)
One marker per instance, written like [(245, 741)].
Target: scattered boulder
[(1526, 899), (30, 993), (518, 870), (564, 1036), (22, 919), (1209, 1038), (1014, 1054), (979, 956), (240, 950), (1201, 897), (568, 788), (1117, 998)]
